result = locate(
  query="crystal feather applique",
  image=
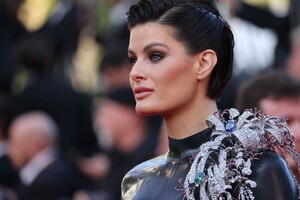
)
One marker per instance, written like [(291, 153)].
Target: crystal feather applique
[(226, 160)]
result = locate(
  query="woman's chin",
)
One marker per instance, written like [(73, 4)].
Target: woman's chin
[(145, 111)]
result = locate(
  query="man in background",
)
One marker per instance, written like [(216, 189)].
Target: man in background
[(33, 151), (275, 94)]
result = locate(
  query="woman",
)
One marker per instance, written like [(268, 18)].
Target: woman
[(181, 54)]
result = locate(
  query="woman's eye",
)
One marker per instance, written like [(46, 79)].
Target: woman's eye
[(132, 61), (155, 57)]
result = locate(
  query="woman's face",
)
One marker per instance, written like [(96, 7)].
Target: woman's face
[(163, 75)]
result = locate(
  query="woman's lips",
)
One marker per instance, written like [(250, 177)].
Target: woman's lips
[(142, 92)]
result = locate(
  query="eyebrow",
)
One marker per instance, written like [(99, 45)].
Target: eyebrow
[(149, 46)]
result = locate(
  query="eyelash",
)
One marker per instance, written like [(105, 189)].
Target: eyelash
[(132, 61), (153, 57)]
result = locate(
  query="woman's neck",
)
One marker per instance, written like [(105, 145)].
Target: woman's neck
[(188, 121)]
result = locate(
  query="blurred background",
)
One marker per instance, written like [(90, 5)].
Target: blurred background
[(64, 81)]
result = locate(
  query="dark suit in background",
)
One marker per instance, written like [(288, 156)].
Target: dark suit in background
[(52, 183)]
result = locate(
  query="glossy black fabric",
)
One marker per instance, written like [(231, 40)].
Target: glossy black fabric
[(121, 163), (158, 178)]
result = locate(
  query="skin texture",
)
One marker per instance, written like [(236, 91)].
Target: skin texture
[(176, 81)]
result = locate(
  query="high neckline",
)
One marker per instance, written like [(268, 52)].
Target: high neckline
[(179, 148)]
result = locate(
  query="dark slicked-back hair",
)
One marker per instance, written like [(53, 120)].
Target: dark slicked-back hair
[(199, 25)]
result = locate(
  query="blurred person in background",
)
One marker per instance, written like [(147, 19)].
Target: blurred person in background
[(8, 174), (128, 138), (10, 30), (47, 90), (33, 150), (58, 19), (114, 67), (295, 13), (114, 25), (50, 91), (274, 93), (252, 54), (279, 17), (254, 49), (261, 30), (293, 61), (116, 16)]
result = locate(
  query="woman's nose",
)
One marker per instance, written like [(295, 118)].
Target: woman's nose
[(137, 72)]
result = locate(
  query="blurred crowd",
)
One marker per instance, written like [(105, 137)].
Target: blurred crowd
[(68, 127)]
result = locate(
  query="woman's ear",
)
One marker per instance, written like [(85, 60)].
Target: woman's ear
[(207, 60)]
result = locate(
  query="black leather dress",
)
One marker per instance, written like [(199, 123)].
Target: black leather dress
[(159, 178)]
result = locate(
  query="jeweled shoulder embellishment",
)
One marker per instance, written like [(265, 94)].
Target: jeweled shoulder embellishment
[(225, 161)]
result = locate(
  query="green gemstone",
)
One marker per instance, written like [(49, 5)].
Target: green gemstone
[(199, 177)]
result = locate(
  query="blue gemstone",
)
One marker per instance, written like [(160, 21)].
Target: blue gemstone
[(199, 177), (230, 126)]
